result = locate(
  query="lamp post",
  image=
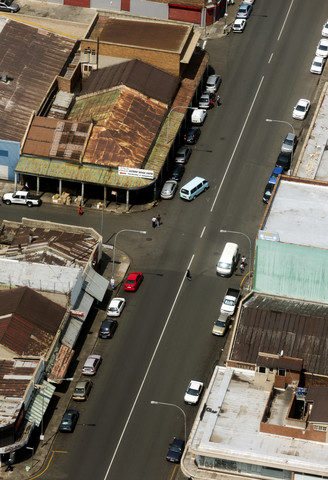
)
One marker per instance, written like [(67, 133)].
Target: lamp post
[(281, 121), (250, 253), (112, 280), (168, 118), (154, 402)]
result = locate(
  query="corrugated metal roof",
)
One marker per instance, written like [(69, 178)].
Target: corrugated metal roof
[(73, 329), (39, 404), (271, 327), (28, 321), (50, 137), (61, 364), (140, 76), (32, 66), (292, 271), (169, 37), (95, 285)]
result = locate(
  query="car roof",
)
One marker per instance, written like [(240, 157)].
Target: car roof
[(133, 275), (195, 384), (91, 359), (82, 383), (116, 301)]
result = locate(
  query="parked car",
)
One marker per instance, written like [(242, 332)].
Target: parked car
[(108, 328), (193, 392), (301, 109), (177, 172), (69, 421), (268, 192), (133, 281), (175, 450), (206, 100), (284, 160), (192, 135), (238, 25), (9, 6), (183, 154), (324, 31), (213, 83), (275, 174), (198, 116), (91, 364), (116, 306), (169, 189), (82, 390), (317, 65), (249, 1), (244, 10), (289, 144), (322, 48)]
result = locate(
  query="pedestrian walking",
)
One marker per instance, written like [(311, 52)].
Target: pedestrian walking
[(9, 467), (80, 210), (242, 268), (218, 100), (188, 275), (154, 222), (26, 187), (158, 220)]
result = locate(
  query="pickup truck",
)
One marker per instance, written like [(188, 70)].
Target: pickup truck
[(21, 197), (230, 301)]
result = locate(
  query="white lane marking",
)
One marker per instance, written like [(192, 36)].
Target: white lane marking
[(270, 58), (283, 25), (147, 371), (201, 235), (237, 143)]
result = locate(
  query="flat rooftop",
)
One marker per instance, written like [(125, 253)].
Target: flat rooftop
[(229, 426), (298, 213)]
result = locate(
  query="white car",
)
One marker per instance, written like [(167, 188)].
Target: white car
[(115, 307), (322, 48), (91, 365), (317, 65), (213, 83), (193, 392), (238, 25), (301, 109), (324, 31), (198, 116), (249, 1)]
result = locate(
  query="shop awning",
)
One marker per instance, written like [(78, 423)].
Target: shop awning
[(95, 285), (40, 402)]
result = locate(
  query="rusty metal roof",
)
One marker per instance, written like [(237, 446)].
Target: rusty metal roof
[(28, 321), (160, 36), (32, 65), (124, 131), (50, 246), (318, 394), (272, 325), (146, 79), (15, 375), (50, 137)]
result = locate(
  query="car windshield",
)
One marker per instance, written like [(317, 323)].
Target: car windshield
[(112, 309), (268, 192), (229, 302), (317, 64), (79, 390), (8, 2), (180, 155), (175, 449), (218, 323), (192, 391), (300, 108), (130, 282), (87, 368), (66, 422), (224, 265), (288, 142)]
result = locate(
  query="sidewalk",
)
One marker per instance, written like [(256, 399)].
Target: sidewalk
[(34, 465)]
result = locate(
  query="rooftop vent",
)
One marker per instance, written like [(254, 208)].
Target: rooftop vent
[(4, 77)]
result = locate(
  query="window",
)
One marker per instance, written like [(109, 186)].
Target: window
[(320, 428), (262, 369), (282, 372)]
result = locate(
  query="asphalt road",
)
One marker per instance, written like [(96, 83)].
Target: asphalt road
[(164, 336)]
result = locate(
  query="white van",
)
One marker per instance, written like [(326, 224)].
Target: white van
[(228, 260), (193, 188)]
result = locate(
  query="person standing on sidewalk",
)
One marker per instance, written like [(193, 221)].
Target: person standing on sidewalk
[(9, 467), (80, 210)]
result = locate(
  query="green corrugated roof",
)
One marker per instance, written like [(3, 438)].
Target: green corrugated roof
[(45, 167), (293, 271)]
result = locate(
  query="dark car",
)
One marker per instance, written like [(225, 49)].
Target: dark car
[(108, 328), (284, 160), (177, 172), (69, 421), (192, 135), (268, 192), (182, 156), (8, 6), (175, 451)]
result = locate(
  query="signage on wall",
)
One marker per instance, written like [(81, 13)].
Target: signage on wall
[(136, 172)]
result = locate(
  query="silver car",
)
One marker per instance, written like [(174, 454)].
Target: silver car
[(213, 83), (169, 189), (289, 144)]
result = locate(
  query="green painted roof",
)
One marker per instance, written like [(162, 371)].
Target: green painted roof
[(293, 271)]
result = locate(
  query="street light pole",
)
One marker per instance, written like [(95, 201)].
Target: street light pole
[(112, 280), (281, 121), (168, 118), (250, 253), (154, 402)]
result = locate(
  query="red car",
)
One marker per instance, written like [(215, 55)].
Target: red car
[(133, 281)]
